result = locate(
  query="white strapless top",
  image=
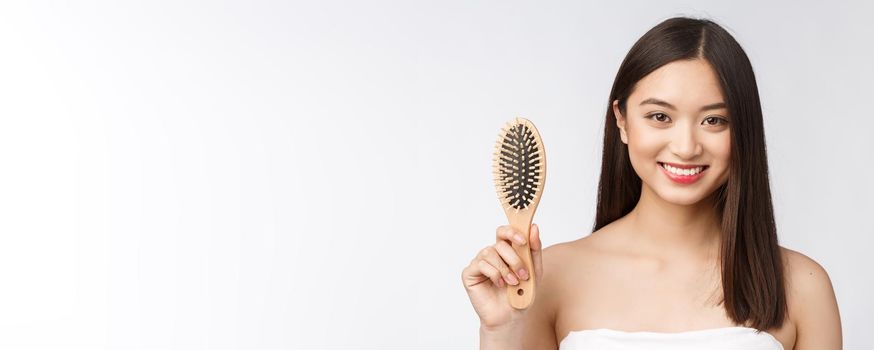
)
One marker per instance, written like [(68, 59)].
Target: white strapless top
[(726, 338)]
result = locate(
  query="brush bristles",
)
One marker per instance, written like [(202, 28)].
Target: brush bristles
[(517, 164)]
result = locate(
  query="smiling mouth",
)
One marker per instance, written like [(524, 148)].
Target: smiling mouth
[(683, 171)]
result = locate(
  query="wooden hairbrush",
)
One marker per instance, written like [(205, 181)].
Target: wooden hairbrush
[(519, 168)]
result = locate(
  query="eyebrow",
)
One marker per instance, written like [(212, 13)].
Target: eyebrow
[(656, 101)]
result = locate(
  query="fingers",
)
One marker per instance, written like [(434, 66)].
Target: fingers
[(491, 272), (479, 271), (512, 259), (501, 264), (479, 268), (491, 256), (536, 251), (508, 233)]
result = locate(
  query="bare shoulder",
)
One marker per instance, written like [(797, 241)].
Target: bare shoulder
[(812, 303), (807, 278), (562, 258), (557, 259), (560, 254)]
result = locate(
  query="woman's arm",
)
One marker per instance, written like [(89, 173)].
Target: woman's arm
[(813, 305)]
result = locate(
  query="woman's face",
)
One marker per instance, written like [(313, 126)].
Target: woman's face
[(677, 115)]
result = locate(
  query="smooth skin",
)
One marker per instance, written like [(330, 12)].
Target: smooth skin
[(656, 268)]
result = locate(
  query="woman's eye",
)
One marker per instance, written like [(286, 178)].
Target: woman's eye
[(715, 121), (661, 117)]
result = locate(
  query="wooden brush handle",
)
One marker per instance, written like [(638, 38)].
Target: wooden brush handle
[(519, 170), (522, 294)]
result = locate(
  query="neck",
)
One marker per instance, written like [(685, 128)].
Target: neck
[(668, 229)]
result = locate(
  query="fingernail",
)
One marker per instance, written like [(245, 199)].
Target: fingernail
[(519, 239), (512, 279), (523, 274)]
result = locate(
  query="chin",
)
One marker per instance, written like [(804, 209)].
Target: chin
[(684, 197)]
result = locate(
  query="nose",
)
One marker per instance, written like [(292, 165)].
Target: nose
[(684, 144)]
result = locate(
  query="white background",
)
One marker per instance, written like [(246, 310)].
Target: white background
[(266, 175)]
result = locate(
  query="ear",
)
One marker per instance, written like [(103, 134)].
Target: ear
[(620, 122)]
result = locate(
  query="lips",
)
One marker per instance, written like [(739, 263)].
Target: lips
[(685, 166), (681, 178)]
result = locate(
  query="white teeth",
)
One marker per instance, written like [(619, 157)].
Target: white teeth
[(684, 172)]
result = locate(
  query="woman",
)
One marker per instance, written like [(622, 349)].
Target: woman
[(684, 251)]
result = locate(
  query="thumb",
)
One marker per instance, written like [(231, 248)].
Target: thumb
[(536, 250)]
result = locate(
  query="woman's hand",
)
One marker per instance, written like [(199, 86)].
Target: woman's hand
[(495, 266)]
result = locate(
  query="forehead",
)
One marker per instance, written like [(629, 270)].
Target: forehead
[(687, 84)]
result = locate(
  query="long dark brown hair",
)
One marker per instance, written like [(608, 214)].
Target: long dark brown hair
[(752, 269)]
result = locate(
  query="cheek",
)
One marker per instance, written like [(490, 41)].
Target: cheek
[(643, 147), (721, 148), (720, 151)]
